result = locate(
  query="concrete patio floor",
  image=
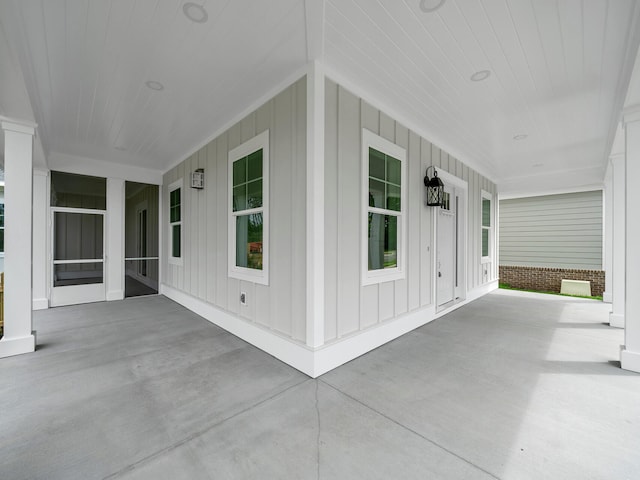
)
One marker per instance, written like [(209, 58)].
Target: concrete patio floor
[(511, 386)]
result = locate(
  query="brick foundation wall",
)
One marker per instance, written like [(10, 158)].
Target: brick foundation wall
[(549, 279)]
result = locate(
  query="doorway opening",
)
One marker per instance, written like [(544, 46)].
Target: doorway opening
[(141, 239)]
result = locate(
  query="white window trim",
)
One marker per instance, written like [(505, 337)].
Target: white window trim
[(371, 140), (488, 196), (178, 184), (258, 142)]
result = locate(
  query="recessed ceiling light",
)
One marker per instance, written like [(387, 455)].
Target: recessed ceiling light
[(480, 75), (522, 136), (195, 13), (428, 6), (153, 85)]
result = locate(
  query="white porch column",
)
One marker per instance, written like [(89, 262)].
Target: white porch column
[(630, 354), (18, 164), (114, 264), (41, 235), (616, 318), (607, 295)]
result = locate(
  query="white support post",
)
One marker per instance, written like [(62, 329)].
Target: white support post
[(41, 235), (616, 318), (315, 206), (18, 165), (630, 353), (114, 248), (607, 198)]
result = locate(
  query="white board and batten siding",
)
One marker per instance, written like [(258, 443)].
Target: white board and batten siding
[(350, 306), (554, 231), (279, 306)]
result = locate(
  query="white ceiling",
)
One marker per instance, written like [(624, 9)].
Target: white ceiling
[(559, 74)]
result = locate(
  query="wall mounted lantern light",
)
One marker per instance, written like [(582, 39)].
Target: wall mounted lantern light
[(435, 188), (197, 179)]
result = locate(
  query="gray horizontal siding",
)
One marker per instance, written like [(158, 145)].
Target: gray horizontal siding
[(562, 231)]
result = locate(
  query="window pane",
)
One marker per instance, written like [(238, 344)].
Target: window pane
[(376, 164), (486, 212), (240, 197), (249, 241), (1, 240), (77, 236), (376, 193), (77, 274), (78, 191), (393, 197), (175, 241), (254, 194), (1, 215), (394, 171), (240, 171), (485, 242), (383, 241), (255, 166)]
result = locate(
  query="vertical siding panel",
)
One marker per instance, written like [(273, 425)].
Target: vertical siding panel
[(387, 127), (349, 141), (222, 222), (414, 176), (203, 252), (435, 157), (194, 228), (280, 217), (400, 286), (299, 202), (210, 184), (369, 119), (248, 128), (426, 247), (331, 210), (369, 306), (386, 302)]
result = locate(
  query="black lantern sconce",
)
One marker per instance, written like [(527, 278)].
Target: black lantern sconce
[(435, 188)]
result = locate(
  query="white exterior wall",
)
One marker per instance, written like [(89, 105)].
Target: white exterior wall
[(555, 231), (351, 307), (280, 306)]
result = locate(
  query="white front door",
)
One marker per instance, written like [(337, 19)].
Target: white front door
[(446, 255), (78, 256)]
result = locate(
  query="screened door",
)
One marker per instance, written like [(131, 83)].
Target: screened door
[(141, 239), (78, 207)]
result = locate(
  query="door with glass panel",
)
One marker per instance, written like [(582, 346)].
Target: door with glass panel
[(78, 208), (141, 239)]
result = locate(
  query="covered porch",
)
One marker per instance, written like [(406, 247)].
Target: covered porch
[(512, 385)]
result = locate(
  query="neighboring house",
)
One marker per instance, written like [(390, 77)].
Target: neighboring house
[(548, 238), (2, 222)]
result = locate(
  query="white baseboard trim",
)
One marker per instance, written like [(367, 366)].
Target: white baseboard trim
[(17, 345), (40, 303), (115, 295), (298, 356), (630, 360), (323, 359), (607, 297), (616, 320)]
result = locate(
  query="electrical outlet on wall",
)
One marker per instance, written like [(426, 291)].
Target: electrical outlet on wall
[(243, 298)]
